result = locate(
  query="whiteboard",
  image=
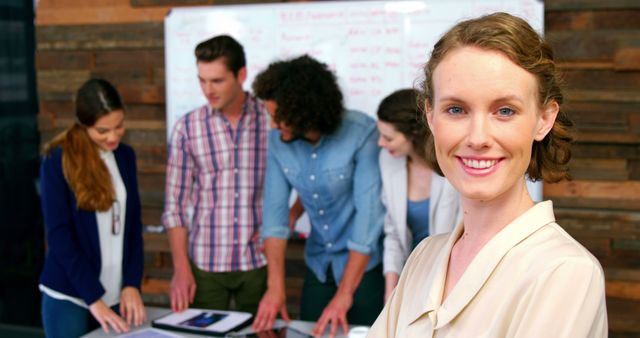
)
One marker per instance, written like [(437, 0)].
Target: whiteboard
[(374, 47)]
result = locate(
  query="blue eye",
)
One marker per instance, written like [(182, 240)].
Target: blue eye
[(505, 112), (455, 110)]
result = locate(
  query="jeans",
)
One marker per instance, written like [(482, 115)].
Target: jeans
[(64, 319)]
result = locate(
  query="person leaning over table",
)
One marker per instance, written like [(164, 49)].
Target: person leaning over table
[(418, 201), (493, 104), (330, 157), (91, 208)]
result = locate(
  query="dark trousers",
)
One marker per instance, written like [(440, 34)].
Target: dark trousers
[(214, 290), (368, 300)]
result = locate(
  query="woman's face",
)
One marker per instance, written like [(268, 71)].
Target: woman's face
[(108, 130), (394, 141), (484, 119)]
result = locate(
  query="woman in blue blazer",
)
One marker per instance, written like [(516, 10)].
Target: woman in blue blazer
[(91, 209), (418, 201)]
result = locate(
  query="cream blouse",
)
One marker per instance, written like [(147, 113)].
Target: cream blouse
[(530, 280)]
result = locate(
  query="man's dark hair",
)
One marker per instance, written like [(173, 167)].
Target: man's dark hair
[(306, 92), (222, 46)]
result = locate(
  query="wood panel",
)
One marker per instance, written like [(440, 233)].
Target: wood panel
[(599, 169), (625, 319), (552, 6), (590, 44), (597, 44), (595, 194), (627, 58), (596, 79), (100, 37), (592, 189), (74, 12), (154, 3), (605, 150), (61, 60)]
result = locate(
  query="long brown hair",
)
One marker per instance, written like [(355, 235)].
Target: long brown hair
[(514, 38), (83, 169)]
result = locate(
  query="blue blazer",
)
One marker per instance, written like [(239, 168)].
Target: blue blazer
[(72, 263)]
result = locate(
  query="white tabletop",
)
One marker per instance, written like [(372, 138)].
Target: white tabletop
[(156, 312)]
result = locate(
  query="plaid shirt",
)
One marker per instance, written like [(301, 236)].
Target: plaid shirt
[(214, 186)]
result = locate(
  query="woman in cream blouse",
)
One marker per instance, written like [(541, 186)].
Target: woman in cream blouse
[(492, 102), (418, 201)]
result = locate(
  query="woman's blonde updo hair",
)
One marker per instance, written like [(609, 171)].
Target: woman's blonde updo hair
[(513, 37)]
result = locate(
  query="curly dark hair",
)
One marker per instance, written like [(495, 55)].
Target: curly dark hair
[(306, 92), (513, 37)]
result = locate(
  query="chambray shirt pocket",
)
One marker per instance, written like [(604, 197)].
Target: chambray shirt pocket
[(339, 181)]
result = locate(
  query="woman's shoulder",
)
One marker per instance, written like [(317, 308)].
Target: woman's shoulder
[(124, 149), (551, 247), (52, 155), (566, 244), (52, 151)]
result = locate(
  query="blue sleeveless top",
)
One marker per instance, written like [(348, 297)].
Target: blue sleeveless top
[(418, 220)]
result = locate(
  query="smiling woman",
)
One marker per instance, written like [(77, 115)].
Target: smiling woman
[(485, 117), (492, 103), (91, 208), (108, 130)]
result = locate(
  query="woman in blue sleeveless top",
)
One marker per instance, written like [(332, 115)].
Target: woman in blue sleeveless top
[(419, 202)]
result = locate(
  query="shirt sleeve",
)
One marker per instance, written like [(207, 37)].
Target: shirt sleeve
[(63, 240), (366, 194), (392, 258), (565, 301), (179, 180), (275, 207)]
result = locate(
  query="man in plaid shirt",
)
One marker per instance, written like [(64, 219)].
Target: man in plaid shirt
[(214, 184)]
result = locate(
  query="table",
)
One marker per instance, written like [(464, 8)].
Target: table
[(156, 312)]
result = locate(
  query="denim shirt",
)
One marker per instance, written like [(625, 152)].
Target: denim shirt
[(338, 182)]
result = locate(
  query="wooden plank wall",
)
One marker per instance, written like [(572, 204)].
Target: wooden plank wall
[(597, 44)]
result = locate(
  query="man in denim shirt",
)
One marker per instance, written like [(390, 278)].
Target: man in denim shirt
[(330, 157)]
